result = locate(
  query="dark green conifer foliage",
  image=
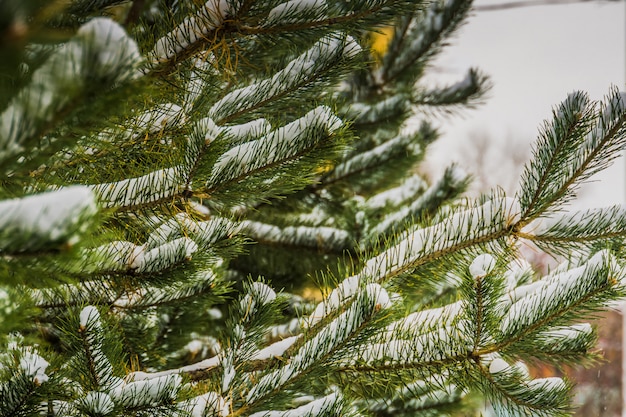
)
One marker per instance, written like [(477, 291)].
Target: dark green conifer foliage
[(165, 164)]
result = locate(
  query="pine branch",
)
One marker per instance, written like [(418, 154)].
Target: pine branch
[(466, 93), (579, 142), (431, 396), (425, 37), (311, 67), (100, 371), (541, 397), (452, 183), (60, 219), (576, 230), (478, 224), (282, 145), (326, 239), (369, 160), (551, 301), (223, 119), (23, 388), (59, 85), (218, 19), (364, 115)]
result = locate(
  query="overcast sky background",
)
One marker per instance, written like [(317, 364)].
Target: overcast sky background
[(535, 56)]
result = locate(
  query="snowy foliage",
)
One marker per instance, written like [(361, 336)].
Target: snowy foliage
[(213, 209)]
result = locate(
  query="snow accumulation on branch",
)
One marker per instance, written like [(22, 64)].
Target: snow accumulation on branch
[(296, 75), (275, 350), (51, 218), (393, 197), (577, 228), (311, 237), (563, 288), (34, 366), (117, 54), (325, 406), (281, 144), (192, 29), (237, 134), (208, 404), (294, 11), (562, 160), (465, 226), (146, 189), (489, 221), (373, 158), (452, 178), (174, 241), (372, 298), (100, 51), (441, 17), (370, 114)]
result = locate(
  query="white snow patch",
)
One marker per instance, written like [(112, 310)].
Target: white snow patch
[(201, 209), (315, 408), (397, 195), (198, 366), (251, 130), (202, 405), (294, 11), (52, 216), (319, 236), (351, 48), (147, 391), (524, 290), (229, 375), (275, 349), (569, 332), (115, 49), (207, 128), (194, 347), (482, 265), (115, 256), (140, 190), (214, 313), (263, 292), (98, 403), (345, 290), (34, 366), (89, 316), (176, 227), (498, 365), (193, 28), (279, 144), (425, 320), (547, 384), (164, 255), (518, 271), (378, 295), (163, 116)]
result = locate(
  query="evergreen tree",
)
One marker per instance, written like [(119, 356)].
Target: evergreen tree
[(164, 164)]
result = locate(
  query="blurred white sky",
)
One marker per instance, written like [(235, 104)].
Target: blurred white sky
[(535, 57)]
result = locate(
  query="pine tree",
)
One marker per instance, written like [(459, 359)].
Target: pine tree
[(167, 165)]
